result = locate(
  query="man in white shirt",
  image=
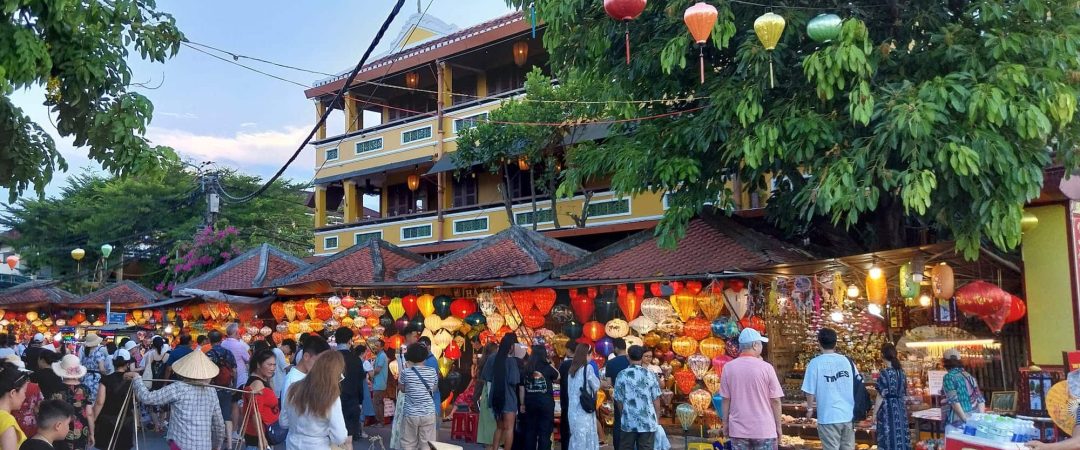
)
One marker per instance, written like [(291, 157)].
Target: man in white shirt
[(315, 346), (828, 384)]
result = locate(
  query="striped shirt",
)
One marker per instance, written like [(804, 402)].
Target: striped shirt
[(418, 398)]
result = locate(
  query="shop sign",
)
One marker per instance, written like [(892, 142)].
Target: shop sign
[(1072, 360), (118, 318)]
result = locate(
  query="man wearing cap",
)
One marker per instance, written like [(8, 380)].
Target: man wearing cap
[(752, 393), (194, 410), (30, 355)]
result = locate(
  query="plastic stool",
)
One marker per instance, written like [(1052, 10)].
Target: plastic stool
[(463, 426)]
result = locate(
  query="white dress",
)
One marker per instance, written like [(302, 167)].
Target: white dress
[(582, 424)]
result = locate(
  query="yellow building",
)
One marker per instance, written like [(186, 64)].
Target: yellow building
[(402, 118)]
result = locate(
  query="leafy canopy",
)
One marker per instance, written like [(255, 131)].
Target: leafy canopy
[(943, 114), (78, 51), (149, 216)]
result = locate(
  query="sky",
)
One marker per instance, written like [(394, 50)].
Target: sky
[(210, 110)]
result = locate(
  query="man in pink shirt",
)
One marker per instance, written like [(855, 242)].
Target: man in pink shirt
[(752, 394)]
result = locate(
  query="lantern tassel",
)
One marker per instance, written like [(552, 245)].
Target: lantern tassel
[(626, 34), (772, 78), (701, 62), (532, 13)]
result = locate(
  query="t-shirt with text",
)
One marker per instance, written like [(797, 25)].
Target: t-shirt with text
[(828, 378)]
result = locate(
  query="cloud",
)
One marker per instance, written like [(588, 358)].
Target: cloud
[(249, 125), (249, 151), (174, 115)]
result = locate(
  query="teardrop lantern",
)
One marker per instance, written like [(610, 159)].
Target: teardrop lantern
[(824, 27), (625, 11), (700, 20), (876, 289), (941, 281), (768, 28)]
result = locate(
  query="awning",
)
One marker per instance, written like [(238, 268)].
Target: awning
[(374, 170), (579, 133)]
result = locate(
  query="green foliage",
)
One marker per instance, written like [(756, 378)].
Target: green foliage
[(78, 52), (150, 215), (949, 110)]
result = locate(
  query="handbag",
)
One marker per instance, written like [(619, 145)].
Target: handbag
[(859, 394), (272, 434), (586, 397)]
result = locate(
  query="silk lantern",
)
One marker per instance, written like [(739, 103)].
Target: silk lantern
[(523, 300), (495, 321), (395, 308), (476, 319), (442, 306), (558, 343), (876, 288), (630, 304), (700, 20), (486, 302), (685, 304), (985, 301), (573, 329), (824, 27), (685, 380), (651, 339), (700, 399), (462, 307), (561, 314), (908, 287), (768, 28), (710, 305), (444, 365), (712, 347), (696, 328), (544, 300), (719, 362), (533, 319), (1017, 310), (277, 309), (604, 346), (633, 340), (606, 308), (686, 415), (699, 364), (941, 281), (754, 322), (583, 308), (624, 11), (425, 304), (671, 326), (663, 345), (432, 322), (594, 330), (409, 304), (711, 381), (684, 346), (617, 328), (657, 309), (737, 299), (643, 325), (452, 351), (348, 301), (12, 261)]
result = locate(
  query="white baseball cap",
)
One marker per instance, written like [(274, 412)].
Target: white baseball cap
[(952, 353), (749, 335), (130, 345), (39, 338)]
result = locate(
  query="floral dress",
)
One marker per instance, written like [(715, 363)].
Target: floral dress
[(93, 373), (78, 396), (892, 419)]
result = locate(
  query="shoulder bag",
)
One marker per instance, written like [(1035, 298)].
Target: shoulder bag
[(859, 393), (587, 397)]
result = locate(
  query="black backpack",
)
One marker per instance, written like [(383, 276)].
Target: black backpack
[(859, 393)]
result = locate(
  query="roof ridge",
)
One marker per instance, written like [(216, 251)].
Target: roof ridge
[(239, 259), (531, 248), (604, 253)]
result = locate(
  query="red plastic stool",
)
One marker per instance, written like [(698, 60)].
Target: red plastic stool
[(463, 426)]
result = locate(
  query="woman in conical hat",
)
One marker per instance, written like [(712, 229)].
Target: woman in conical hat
[(189, 402)]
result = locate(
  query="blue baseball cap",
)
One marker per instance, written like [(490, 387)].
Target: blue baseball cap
[(749, 335)]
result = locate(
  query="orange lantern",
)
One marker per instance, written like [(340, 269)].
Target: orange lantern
[(663, 345), (523, 300), (941, 281), (754, 322), (710, 305), (697, 328), (323, 311), (393, 342), (425, 304), (593, 330), (685, 304), (684, 346), (877, 290), (700, 399), (534, 319), (630, 305), (685, 381), (301, 311), (712, 347), (651, 340), (544, 300), (700, 20)]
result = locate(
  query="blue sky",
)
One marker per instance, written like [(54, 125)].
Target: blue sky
[(208, 109)]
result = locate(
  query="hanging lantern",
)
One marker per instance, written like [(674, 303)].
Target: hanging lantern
[(686, 415), (604, 346), (453, 351), (697, 328), (941, 281), (462, 307), (684, 346), (561, 314), (876, 289), (78, 254), (643, 325), (657, 309), (408, 303), (432, 322), (712, 347), (451, 324), (617, 328), (558, 342), (425, 304), (277, 309), (824, 27), (521, 53), (985, 301), (685, 380), (685, 304), (487, 303), (908, 287), (1017, 310), (711, 381), (700, 20), (700, 399), (624, 11), (413, 181), (412, 80), (768, 28), (593, 330), (544, 300), (671, 326), (348, 301), (495, 321), (583, 308), (710, 305), (12, 261), (719, 362), (606, 308), (442, 306), (630, 305), (699, 364), (738, 299)]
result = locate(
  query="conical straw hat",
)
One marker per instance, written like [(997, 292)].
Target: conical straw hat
[(195, 366)]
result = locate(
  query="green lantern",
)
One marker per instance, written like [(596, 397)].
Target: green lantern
[(824, 27), (106, 250)]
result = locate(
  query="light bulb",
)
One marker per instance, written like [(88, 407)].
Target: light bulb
[(852, 291), (874, 309), (924, 300), (168, 329), (875, 272), (837, 316)]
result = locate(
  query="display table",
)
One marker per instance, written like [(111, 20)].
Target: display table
[(931, 418), (959, 441)]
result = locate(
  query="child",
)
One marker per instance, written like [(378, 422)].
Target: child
[(53, 419)]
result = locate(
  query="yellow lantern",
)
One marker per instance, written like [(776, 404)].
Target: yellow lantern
[(412, 80), (941, 281), (712, 381), (442, 339), (310, 305), (78, 254), (426, 304), (710, 305), (432, 322), (700, 399), (521, 53), (413, 181), (876, 289), (290, 311), (31, 316), (712, 347), (451, 323), (495, 322), (684, 346), (685, 303), (670, 325), (768, 28), (395, 308), (445, 364)]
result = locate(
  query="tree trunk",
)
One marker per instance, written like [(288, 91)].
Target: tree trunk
[(580, 220), (506, 196), (532, 190), (554, 203)]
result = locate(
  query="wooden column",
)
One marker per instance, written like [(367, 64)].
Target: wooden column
[(320, 206), (354, 117), (320, 109), (352, 202)]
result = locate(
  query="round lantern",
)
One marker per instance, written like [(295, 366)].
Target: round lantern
[(684, 346), (333, 301), (624, 11), (486, 302), (617, 328), (606, 308), (475, 319), (685, 304), (768, 28), (754, 322), (657, 309), (663, 345), (1017, 310), (396, 308), (719, 362), (323, 312), (671, 325), (985, 301), (697, 328), (711, 381), (593, 330), (453, 351), (685, 380), (699, 364), (633, 340), (941, 281), (348, 301), (573, 329), (561, 314), (630, 304), (432, 322), (604, 346), (824, 27), (442, 306), (876, 288), (12, 261), (643, 325), (583, 308), (712, 347), (700, 20), (700, 399), (409, 304), (425, 304), (462, 307)]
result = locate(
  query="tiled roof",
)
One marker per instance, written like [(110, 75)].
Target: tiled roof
[(255, 268), (712, 245), (371, 262), (126, 292), (35, 293), (510, 253)]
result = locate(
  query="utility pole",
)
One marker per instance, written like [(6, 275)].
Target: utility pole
[(209, 184)]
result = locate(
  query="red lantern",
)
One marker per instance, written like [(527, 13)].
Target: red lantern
[(523, 300), (534, 319), (1017, 310), (736, 285), (452, 351), (544, 299), (685, 381), (348, 301), (718, 363), (697, 329), (639, 290), (624, 11), (630, 304), (395, 341), (324, 312), (583, 307), (462, 307), (593, 330), (753, 322), (700, 19), (985, 301), (408, 302), (694, 287), (277, 309), (655, 290)]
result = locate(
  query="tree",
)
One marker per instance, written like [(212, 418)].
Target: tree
[(920, 114), (150, 216), (78, 51)]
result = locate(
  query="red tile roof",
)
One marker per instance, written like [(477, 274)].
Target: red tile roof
[(255, 268), (34, 293), (124, 293), (514, 252), (713, 245), (371, 262)]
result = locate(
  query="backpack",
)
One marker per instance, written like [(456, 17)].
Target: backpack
[(859, 393), (226, 365)]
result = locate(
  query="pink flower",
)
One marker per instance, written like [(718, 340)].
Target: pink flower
[(163, 260), (225, 255), (160, 287)]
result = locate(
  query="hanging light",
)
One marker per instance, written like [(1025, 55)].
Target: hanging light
[(837, 316), (924, 300), (875, 272), (106, 250), (412, 80), (873, 309), (700, 19), (625, 11), (521, 53), (852, 291), (78, 254), (413, 181), (768, 28), (523, 163)]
